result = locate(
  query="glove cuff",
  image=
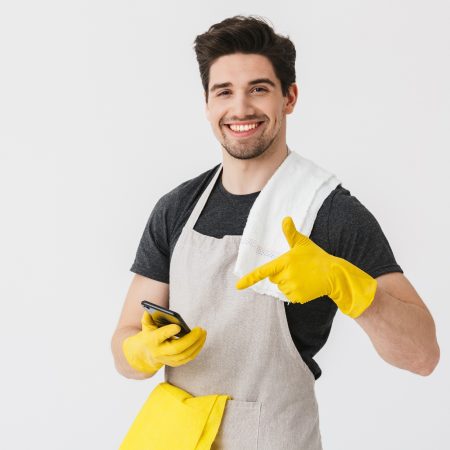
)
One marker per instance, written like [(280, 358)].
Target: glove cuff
[(144, 366), (353, 289)]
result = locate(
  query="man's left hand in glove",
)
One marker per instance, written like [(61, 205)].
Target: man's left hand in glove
[(307, 272)]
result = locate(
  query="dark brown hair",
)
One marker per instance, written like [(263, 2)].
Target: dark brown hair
[(240, 34)]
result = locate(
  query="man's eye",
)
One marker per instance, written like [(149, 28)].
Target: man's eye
[(261, 89)]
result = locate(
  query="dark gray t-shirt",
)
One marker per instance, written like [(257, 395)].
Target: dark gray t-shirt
[(343, 227)]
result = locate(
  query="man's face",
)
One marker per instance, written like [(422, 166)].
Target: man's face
[(245, 105)]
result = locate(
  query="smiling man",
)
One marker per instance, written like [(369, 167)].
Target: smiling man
[(258, 350)]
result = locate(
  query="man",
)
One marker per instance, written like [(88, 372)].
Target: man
[(258, 349)]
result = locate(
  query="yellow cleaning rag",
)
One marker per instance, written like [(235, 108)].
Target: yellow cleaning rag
[(171, 418)]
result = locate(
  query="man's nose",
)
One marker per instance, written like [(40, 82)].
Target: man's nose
[(242, 106)]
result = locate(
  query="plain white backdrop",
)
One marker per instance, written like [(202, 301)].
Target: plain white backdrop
[(101, 113)]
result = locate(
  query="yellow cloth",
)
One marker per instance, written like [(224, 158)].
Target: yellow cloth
[(172, 419), (307, 272)]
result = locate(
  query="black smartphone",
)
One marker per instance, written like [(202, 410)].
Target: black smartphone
[(163, 316)]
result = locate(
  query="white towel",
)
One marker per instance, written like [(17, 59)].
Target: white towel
[(297, 189)]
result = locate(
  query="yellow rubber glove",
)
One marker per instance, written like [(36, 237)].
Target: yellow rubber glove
[(307, 272), (151, 348)]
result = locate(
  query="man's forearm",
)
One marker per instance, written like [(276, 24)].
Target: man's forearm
[(120, 361), (403, 334)]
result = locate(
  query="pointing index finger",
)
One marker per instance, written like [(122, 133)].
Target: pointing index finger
[(258, 274)]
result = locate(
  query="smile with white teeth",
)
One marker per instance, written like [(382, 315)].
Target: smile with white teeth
[(240, 128)]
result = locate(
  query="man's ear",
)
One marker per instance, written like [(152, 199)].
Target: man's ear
[(291, 98)]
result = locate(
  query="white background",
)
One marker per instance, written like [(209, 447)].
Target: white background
[(101, 113)]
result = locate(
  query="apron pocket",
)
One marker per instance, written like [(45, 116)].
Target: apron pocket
[(239, 428)]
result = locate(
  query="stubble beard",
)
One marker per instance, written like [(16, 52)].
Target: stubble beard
[(248, 150)]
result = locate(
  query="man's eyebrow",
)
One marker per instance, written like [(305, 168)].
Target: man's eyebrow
[(250, 83)]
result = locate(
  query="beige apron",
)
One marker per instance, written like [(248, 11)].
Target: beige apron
[(248, 354)]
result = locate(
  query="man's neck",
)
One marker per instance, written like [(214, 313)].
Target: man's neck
[(241, 177)]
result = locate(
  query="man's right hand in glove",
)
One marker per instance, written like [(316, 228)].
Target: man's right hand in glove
[(153, 347)]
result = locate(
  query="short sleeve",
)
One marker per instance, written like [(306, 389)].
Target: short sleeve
[(153, 253), (355, 235)]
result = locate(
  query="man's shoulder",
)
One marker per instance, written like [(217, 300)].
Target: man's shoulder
[(351, 226), (341, 212), (346, 209), (186, 192)]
